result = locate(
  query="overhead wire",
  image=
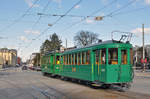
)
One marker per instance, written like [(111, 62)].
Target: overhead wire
[(44, 9), (126, 12), (67, 12), (55, 22), (126, 5), (93, 13), (22, 16)]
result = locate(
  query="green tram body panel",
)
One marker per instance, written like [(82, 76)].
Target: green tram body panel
[(118, 72)]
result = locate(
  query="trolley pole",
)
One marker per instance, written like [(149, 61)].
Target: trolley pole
[(143, 47)]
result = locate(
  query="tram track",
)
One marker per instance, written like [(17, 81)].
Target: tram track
[(19, 88), (46, 90)]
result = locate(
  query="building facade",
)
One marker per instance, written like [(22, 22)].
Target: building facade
[(8, 57)]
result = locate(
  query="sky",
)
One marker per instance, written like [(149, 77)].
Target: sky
[(23, 29)]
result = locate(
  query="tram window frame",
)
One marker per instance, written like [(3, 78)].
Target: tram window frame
[(103, 54), (124, 60), (113, 56)]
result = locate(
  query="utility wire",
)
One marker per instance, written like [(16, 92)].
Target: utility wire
[(126, 12), (109, 15), (126, 5), (62, 15), (93, 13), (45, 30), (44, 9), (67, 12), (17, 20)]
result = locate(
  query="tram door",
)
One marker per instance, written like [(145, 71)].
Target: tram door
[(124, 68), (100, 64), (96, 64)]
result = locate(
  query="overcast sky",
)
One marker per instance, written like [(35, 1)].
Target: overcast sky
[(25, 35)]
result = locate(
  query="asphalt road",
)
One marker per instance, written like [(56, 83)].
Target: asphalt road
[(18, 84)]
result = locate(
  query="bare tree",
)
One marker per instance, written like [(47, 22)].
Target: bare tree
[(84, 38)]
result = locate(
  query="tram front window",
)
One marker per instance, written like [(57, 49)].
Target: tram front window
[(113, 56)]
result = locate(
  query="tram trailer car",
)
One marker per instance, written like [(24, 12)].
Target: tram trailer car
[(51, 63), (106, 63)]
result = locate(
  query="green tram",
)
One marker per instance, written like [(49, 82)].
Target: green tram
[(105, 63)]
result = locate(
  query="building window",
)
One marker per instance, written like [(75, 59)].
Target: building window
[(123, 56), (103, 56), (112, 56)]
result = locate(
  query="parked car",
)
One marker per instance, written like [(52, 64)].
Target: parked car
[(31, 68), (24, 68), (38, 68)]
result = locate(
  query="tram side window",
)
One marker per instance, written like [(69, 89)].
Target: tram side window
[(57, 60), (88, 57), (103, 56), (72, 58), (53, 59), (131, 56), (83, 59), (123, 56), (97, 56), (67, 59), (75, 60), (112, 56), (79, 59)]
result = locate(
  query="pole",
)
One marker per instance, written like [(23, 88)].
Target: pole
[(143, 48), (66, 43)]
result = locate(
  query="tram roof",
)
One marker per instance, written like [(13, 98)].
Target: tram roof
[(100, 43)]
